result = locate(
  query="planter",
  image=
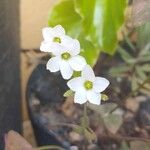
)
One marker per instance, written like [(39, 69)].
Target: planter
[(44, 86), (50, 116)]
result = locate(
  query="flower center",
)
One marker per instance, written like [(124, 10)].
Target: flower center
[(88, 85), (57, 40), (65, 56)]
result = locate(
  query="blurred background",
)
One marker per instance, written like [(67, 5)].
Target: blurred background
[(23, 95)]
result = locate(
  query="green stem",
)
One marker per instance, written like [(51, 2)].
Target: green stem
[(48, 147)]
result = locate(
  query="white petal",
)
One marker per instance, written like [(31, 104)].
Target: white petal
[(53, 64), (88, 73), (77, 63), (47, 34), (66, 70), (76, 83), (80, 97), (100, 84), (66, 40), (94, 98), (59, 30), (45, 46), (57, 49), (74, 47)]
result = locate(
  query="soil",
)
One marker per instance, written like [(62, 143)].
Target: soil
[(58, 114)]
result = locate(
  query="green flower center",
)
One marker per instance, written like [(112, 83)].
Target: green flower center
[(65, 56), (88, 85), (57, 40)]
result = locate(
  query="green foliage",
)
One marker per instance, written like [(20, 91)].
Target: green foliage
[(112, 120), (136, 66), (88, 133), (95, 23), (68, 93)]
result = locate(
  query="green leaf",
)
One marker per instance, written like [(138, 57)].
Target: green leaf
[(146, 67), (104, 97), (143, 35), (101, 21), (90, 53), (113, 122), (140, 72), (126, 56), (88, 133), (102, 109), (68, 93), (63, 13), (95, 23), (119, 70), (134, 84), (124, 146)]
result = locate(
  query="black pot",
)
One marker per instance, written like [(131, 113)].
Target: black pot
[(48, 88)]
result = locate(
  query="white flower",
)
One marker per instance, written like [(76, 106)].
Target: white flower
[(88, 87), (55, 35), (66, 58)]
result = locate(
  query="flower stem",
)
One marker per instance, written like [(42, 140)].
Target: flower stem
[(85, 115)]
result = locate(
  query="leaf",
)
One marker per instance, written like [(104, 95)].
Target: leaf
[(89, 51), (68, 93), (63, 13), (126, 56), (119, 70), (143, 35), (134, 83), (101, 21), (102, 109), (88, 133), (104, 97), (113, 122), (92, 23), (140, 72), (146, 67), (124, 146)]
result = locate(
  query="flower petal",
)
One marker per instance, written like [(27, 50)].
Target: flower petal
[(74, 47), (66, 40), (94, 98), (80, 97), (59, 30), (45, 46), (77, 63), (47, 34), (66, 70), (100, 84), (88, 73), (57, 49), (75, 83), (53, 64)]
